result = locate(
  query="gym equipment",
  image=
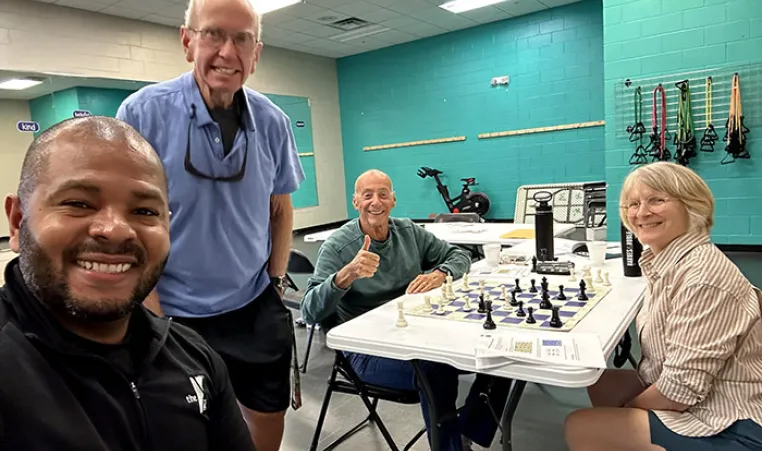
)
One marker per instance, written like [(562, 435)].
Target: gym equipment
[(466, 201)]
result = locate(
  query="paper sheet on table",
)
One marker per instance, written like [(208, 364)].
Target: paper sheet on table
[(523, 234), (554, 348)]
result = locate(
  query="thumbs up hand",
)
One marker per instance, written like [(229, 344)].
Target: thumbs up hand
[(364, 265)]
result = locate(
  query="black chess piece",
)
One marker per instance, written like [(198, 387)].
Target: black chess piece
[(555, 320), (489, 324), (517, 288), (533, 288), (530, 319), (545, 304), (520, 311), (544, 284), (561, 296), (582, 296), (513, 299), (534, 264), (481, 308)]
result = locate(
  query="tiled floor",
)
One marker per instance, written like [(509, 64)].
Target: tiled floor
[(537, 425)]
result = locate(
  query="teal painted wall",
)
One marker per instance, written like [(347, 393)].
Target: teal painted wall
[(51, 109), (101, 102), (298, 110), (654, 38), (440, 87)]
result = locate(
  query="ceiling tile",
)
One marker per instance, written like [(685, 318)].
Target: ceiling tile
[(486, 14), (124, 12), (321, 31), (330, 3), (410, 6), (422, 29), (398, 22), (555, 3), (297, 25), (520, 7), (147, 6), (276, 18), (360, 9), (176, 10), (380, 15), (163, 20), (396, 37)]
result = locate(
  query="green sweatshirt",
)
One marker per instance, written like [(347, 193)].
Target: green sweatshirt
[(409, 250)]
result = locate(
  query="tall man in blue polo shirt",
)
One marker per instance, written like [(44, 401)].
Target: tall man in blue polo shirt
[(232, 165)]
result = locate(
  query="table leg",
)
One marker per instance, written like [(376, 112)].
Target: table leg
[(510, 409), (434, 418)]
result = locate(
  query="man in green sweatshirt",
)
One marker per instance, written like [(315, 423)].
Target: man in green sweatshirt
[(375, 259)]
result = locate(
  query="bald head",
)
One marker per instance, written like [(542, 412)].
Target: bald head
[(88, 134), (196, 7), (373, 176)]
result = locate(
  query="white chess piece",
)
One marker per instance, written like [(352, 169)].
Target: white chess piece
[(465, 282), (401, 321), (427, 308), (572, 275), (448, 278), (598, 278), (467, 304), (606, 281), (505, 295)]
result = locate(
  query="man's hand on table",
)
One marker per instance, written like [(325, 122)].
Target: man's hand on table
[(364, 265), (426, 282)]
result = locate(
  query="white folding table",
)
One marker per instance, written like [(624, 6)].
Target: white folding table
[(453, 342)]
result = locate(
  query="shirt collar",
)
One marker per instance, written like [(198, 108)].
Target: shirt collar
[(656, 264), (203, 118)]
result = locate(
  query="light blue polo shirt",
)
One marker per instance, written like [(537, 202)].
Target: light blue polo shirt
[(219, 230)]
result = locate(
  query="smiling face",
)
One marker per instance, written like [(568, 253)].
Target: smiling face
[(222, 42), (93, 236), (374, 199), (656, 218)]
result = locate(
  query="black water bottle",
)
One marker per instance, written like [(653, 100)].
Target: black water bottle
[(543, 226), (631, 250)]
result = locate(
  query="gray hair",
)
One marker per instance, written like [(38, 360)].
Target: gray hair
[(193, 5)]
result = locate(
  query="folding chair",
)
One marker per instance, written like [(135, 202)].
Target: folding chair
[(299, 263), (349, 383)]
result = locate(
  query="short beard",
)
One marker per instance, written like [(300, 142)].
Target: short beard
[(51, 289)]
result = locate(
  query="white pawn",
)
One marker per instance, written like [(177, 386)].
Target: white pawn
[(465, 282), (598, 278), (401, 321), (505, 295), (427, 304), (572, 275), (606, 281), (467, 304)]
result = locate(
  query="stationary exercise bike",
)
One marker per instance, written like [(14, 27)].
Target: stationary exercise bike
[(466, 202)]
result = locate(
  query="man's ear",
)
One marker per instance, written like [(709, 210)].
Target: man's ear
[(14, 214), (185, 40), (355, 203)]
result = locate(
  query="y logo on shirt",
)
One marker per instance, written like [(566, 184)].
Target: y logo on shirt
[(200, 397)]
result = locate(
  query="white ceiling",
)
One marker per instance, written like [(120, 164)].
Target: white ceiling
[(302, 27), (54, 83)]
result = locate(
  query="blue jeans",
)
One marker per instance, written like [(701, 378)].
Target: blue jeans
[(475, 421)]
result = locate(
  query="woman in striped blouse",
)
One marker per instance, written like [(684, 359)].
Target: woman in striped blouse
[(699, 383)]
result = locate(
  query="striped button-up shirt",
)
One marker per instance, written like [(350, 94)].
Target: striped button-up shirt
[(701, 337)]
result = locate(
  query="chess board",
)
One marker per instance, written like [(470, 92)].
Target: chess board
[(571, 310)]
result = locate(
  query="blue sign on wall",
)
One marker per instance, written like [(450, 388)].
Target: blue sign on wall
[(81, 113), (27, 126)]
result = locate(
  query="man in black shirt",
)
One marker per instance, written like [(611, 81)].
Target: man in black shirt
[(84, 365)]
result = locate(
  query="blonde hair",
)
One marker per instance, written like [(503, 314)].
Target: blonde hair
[(680, 184), (191, 13)]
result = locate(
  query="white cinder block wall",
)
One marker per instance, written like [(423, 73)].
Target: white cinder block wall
[(46, 38), (12, 146)]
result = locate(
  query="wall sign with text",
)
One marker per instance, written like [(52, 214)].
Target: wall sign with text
[(28, 126)]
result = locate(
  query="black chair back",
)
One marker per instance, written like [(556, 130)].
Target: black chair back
[(299, 263), (458, 217)]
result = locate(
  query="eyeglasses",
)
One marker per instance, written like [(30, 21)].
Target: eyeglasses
[(237, 177), (653, 204), (216, 37)]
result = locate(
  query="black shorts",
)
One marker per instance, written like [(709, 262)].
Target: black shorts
[(255, 342)]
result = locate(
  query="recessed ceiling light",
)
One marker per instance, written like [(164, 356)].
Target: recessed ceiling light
[(460, 6), (266, 6), (17, 84)]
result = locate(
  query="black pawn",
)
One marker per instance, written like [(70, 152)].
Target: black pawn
[(517, 288), (561, 296), (514, 303), (582, 296), (489, 324), (533, 288), (545, 304), (544, 284), (481, 308), (534, 264), (520, 311), (555, 320), (530, 319)]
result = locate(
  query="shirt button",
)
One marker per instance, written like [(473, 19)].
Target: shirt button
[(217, 140)]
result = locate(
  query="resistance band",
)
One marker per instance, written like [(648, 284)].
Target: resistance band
[(685, 141), (736, 131), (659, 134), (637, 130), (710, 134)]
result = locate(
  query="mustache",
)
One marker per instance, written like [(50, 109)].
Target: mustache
[(127, 248)]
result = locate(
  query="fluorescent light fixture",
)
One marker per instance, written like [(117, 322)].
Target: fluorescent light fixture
[(361, 32), (17, 84), (460, 6), (266, 6)]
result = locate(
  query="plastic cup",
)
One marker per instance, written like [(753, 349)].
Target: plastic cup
[(492, 254), (596, 250)]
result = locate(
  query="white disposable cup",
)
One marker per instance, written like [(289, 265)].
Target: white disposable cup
[(596, 250), (492, 254)]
